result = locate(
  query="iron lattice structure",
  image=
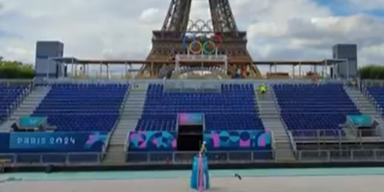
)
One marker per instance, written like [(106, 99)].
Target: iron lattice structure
[(167, 42)]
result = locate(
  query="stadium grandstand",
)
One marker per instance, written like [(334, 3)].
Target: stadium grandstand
[(163, 108), (111, 121)]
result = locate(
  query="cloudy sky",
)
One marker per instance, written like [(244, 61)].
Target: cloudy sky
[(277, 29)]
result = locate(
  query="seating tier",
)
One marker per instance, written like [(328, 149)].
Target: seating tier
[(377, 92), (82, 107), (233, 108), (8, 96), (306, 108)]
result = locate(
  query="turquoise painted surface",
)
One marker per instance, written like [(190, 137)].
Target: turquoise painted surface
[(28, 121), (360, 120), (187, 174)]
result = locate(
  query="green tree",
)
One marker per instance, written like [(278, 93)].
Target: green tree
[(15, 70)]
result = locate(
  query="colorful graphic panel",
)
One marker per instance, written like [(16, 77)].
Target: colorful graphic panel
[(190, 119), (152, 141), (238, 140), (57, 141)]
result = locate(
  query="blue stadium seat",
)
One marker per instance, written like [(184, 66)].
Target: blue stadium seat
[(9, 95), (377, 92), (307, 108), (82, 107), (231, 109)]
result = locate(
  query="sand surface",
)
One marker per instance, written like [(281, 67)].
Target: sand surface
[(250, 184)]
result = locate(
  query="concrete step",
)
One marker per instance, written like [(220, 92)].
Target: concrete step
[(123, 130), (133, 106), (128, 122), (116, 154), (268, 109), (130, 116), (131, 112), (269, 116), (274, 127), (133, 109), (269, 105), (122, 133), (118, 141), (134, 103), (361, 101), (284, 152), (277, 130), (280, 136), (119, 137), (28, 106)]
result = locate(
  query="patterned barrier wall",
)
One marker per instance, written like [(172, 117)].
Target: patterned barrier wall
[(237, 140), (216, 140), (152, 141), (30, 142)]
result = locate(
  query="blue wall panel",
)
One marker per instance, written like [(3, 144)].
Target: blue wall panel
[(30, 142)]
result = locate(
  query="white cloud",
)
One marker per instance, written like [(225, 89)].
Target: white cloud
[(277, 29), (151, 16)]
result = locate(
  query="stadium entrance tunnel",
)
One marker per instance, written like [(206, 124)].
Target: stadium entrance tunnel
[(189, 138)]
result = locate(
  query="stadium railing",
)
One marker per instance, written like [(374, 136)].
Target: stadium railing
[(248, 156), (273, 143), (213, 156), (126, 144), (106, 144), (52, 158), (341, 155), (105, 147), (336, 135), (312, 155), (293, 143)]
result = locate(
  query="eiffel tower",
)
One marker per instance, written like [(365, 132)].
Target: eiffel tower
[(167, 42)]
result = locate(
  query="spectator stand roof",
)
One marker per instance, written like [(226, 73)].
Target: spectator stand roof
[(74, 62)]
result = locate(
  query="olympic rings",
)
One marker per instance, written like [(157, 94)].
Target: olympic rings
[(213, 49), (192, 46), (205, 45)]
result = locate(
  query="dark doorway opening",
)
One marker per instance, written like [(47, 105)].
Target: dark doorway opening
[(189, 142), (189, 137), (190, 129), (366, 132)]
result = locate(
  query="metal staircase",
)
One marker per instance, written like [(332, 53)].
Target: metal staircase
[(363, 104), (26, 108), (130, 114), (270, 115)]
